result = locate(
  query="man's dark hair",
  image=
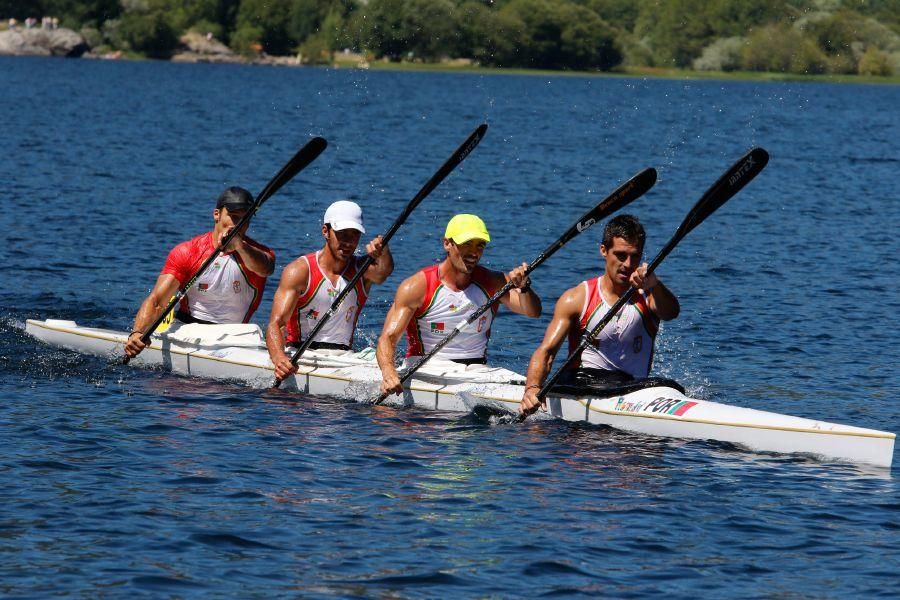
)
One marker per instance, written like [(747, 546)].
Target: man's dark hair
[(626, 227), (235, 198)]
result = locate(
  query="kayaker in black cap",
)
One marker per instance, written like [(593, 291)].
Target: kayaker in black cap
[(229, 291)]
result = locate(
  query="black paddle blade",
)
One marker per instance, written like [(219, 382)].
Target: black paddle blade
[(457, 157), (300, 161), (624, 195), (730, 183)]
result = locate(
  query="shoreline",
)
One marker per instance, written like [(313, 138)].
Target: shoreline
[(630, 72), (470, 69)]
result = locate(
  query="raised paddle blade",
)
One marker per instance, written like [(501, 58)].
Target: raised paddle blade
[(624, 195), (457, 157), (730, 183), (298, 162)]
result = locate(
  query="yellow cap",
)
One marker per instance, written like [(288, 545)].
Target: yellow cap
[(463, 228)]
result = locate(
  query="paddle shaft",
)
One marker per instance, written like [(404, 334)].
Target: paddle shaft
[(306, 155), (628, 192), (729, 184), (461, 153)]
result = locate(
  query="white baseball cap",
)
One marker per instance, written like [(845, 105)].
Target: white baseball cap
[(344, 214)]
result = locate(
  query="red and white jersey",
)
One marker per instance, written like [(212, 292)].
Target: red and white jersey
[(227, 292), (443, 309), (626, 342), (316, 301)]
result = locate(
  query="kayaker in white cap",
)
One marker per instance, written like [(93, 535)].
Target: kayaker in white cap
[(309, 285)]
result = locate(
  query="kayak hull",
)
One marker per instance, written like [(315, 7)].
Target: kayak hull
[(660, 411)]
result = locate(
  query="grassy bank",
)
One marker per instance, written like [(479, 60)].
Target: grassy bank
[(648, 72)]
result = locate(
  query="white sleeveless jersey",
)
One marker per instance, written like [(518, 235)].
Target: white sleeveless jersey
[(626, 342), (222, 294), (317, 299), (227, 291), (443, 309)]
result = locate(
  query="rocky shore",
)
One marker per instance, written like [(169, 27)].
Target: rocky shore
[(42, 42), (195, 48)]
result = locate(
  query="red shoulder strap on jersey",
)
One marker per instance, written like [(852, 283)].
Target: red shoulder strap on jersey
[(414, 346), (315, 277), (487, 280), (432, 283), (593, 299), (651, 321)]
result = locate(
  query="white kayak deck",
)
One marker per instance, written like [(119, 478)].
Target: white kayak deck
[(237, 352)]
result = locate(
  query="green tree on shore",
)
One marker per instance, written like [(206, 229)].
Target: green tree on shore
[(794, 36)]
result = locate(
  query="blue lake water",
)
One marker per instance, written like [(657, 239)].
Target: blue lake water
[(117, 481)]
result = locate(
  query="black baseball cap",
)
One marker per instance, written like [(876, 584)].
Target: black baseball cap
[(235, 198)]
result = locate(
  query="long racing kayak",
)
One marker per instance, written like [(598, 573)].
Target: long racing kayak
[(655, 407)]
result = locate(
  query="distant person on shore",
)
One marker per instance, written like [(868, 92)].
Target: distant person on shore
[(309, 285), (431, 303), (230, 289), (624, 349)]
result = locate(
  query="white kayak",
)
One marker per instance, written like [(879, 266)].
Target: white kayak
[(238, 352)]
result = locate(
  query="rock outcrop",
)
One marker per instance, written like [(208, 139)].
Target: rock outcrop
[(197, 47), (42, 42)]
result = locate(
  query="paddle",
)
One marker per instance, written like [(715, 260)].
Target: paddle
[(628, 192), (729, 184), (298, 162), (461, 153)]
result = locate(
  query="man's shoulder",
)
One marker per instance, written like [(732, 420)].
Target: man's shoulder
[(196, 245), (488, 278), (258, 245)]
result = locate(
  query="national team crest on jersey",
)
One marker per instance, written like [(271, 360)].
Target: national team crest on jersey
[(236, 286), (437, 328), (312, 314)]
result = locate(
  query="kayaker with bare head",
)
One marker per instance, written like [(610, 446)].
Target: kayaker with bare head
[(309, 285), (624, 349), (431, 303), (229, 291)]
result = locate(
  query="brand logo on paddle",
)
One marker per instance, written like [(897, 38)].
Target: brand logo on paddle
[(745, 168), (437, 328), (582, 226)]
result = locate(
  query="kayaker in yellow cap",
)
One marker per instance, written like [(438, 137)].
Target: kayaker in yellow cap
[(431, 303)]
